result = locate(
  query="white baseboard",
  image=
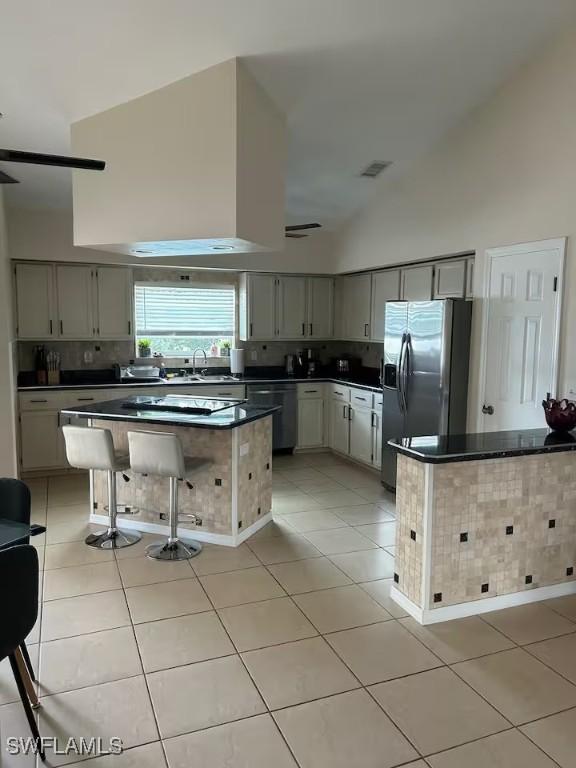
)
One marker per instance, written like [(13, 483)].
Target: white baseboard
[(476, 607), (185, 533)]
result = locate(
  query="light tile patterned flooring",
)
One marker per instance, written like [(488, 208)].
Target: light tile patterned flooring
[(286, 651)]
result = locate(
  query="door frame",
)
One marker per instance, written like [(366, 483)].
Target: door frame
[(553, 244)]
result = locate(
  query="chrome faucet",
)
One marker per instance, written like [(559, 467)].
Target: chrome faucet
[(198, 349)]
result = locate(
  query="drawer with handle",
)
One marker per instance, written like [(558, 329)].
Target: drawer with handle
[(40, 401), (362, 398), (310, 391), (339, 392)]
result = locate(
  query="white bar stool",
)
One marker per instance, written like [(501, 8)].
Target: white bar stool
[(161, 454), (93, 448)]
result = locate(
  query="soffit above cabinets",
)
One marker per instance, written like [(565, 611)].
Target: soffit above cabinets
[(195, 167)]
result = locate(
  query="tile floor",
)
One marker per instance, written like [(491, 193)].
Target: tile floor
[(286, 651)]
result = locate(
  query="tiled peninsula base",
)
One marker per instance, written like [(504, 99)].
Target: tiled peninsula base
[(230, 499), (476, 536)]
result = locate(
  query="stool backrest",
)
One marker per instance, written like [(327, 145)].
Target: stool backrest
[(89, 447), (19, 602), (156, 453)]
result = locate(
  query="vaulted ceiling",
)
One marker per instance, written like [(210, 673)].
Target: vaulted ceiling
[(359, 80)]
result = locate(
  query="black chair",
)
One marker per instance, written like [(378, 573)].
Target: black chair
[(15, 505), (15, 500), (19, 606)]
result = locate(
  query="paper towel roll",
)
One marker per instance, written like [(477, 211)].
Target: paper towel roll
[(236, 361)]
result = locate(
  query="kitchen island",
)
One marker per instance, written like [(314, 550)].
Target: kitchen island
[(484, 521), (226, 501)]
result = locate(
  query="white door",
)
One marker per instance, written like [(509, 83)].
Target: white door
[(339, 427), (291, 307), (262, 306), (35, 301), (361, 434), (385, 287), (450, 280), (521, 333), (75, 288), (416, 283), (114, 303), (320, 307), (311, 423)]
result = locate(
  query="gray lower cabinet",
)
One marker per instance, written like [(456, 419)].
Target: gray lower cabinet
[(41, 441)]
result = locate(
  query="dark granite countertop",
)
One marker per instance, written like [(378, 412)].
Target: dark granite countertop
[(442, 449), (247, 379), (114, 410)]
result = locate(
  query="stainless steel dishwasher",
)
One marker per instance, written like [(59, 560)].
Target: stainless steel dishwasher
[(284, 422)]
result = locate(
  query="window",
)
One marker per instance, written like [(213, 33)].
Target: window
[(176, 319)]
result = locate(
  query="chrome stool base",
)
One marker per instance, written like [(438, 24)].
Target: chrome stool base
[(174, 550), (113, 538)]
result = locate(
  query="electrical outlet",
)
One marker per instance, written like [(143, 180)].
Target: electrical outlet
[(88, 356), (253, 355)]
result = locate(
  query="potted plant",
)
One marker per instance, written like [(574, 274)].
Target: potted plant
[(144, 348), (225, 349)]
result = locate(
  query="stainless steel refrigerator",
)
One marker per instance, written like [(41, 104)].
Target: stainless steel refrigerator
[(425, 372)]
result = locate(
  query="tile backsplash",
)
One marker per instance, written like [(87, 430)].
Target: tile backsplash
[(104, 354)]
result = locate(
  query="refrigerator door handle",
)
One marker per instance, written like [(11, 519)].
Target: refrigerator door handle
[(400, 381), (406, 370)]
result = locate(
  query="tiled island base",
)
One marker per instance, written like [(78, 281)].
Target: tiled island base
[(230, 499), (475, 536)]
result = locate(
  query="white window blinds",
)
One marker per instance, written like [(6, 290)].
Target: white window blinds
[(163, 310)]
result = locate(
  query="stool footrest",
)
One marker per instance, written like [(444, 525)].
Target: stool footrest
[(174, 550)]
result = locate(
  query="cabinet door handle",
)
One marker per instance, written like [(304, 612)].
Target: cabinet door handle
[(38, 401), (372, 420), (84, 399), (251, 329), (303, 329), (350, 413), (310, 391), (366, 326), (61, 327), (344, 412), (129, 328), (360, 398), (50, 327), (310, 329)]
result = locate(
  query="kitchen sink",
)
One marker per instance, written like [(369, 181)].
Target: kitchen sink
[(198, 377)]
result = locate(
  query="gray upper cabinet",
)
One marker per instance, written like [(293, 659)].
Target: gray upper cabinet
[(74, 287), (416, 283), (450, 280), (385, 287), (354, 306), (113, 286), (35, 301), (320, 302), (291, 307), (257, 306), (470, 264)]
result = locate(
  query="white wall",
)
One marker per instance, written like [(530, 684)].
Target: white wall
[(46, 235), (507, 175), (8, 461)]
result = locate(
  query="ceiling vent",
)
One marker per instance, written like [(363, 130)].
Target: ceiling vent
[(375, 168)]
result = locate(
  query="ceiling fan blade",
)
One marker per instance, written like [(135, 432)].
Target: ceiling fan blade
[(5, 179), (61, 161), (293, 234), (297, 227)]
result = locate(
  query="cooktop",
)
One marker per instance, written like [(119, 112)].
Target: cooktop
[(179, 404)]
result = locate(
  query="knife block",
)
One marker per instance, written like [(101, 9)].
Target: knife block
[(53, 378)]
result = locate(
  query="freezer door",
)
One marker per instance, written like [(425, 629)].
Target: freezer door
[(426, 367), (395, 330)]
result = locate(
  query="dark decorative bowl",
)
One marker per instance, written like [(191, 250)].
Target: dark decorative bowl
[(560, 414)]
